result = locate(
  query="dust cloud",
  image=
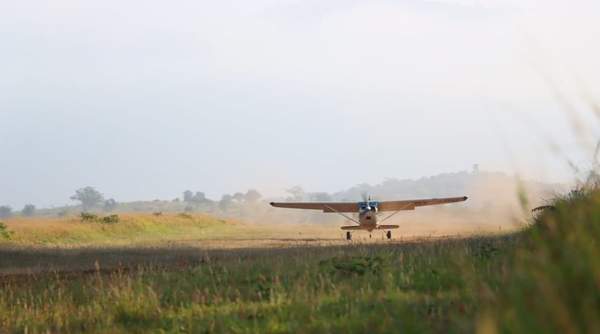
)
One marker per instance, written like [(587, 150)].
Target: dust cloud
[(497, 203)]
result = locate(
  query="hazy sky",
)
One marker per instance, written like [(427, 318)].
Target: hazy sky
[(144, 99)]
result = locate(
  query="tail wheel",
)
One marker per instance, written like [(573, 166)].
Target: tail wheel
[(348, 236), (389, 234)]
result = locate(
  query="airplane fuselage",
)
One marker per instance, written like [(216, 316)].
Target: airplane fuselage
[(367, 218)]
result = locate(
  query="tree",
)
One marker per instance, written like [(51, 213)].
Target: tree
[(199, 197), (28, 210), (5, 211), (252, 196), (297, 194), (238, 197), (89, 197), (110, 205), (320, 197), (188, 196), (225, 202)]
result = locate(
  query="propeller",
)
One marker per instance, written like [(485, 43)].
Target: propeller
[(366, 199)]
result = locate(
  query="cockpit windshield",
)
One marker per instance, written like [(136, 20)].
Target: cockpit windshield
[(366, 206)]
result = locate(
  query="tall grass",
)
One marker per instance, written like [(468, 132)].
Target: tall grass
[(554, 281), (357, 288)]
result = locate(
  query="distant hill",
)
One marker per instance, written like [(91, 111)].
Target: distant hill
[(483, 188)]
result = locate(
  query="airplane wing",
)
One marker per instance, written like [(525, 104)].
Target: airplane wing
[(354, 207), (412, 204), (324, 206)]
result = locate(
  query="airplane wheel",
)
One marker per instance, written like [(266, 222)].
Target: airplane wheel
[(369, 235), (348, 236), (389, 234)]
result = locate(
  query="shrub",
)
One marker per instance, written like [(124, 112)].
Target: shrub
[(4, 232), (112, 219), (88, 217)]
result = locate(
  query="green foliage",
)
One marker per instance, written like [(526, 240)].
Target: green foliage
[(89, 197), (112, 219), (93, 218), (88, 217), (553, 286), (4, 232)]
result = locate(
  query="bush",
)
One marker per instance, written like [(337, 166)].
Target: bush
[(4, 232), (112, 219), (88, 217)]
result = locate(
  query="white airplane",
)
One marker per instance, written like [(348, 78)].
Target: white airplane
[(368, 210)]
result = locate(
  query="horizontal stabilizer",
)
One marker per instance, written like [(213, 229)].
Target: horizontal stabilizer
[(387, 227), (352, 228)]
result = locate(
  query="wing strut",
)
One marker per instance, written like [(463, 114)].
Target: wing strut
[(395, 213), (343, 215)]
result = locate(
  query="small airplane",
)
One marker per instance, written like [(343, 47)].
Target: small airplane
[(368, 210)]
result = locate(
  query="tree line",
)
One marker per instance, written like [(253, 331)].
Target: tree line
[(90, 199)]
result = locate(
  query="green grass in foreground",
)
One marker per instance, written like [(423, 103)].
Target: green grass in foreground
[(543, 280), (425, 287)]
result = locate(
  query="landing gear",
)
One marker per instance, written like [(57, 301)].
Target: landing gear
[(389, 235), (369, 235), (348, 236)]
